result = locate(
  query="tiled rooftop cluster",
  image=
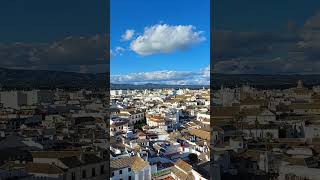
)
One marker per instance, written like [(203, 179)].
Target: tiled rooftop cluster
[(160, 134), (54, 134), (266, 134)]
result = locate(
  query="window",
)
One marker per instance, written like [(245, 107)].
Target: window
[(102, 169), (112, 174), (120, 172), (93, 172), (129, 169), (73, 176), (84, 174), (129, 178)]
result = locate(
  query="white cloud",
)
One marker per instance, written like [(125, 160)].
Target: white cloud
[(83, 69), (206, 72), (72, 50), (152, 76), (116, 51), (111, 53), (119, 50), (163, 38), (128, 35), (163, 77)]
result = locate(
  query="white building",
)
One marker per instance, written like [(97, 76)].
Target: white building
[(118, 92), (134, 116), (67, 165), (130, 168), (291, 172), (261, 133), (13, 99), (182, 170), (39, 96), (155, 121)]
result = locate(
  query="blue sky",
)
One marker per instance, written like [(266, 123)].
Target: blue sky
[(180, 30), (267, 15), (45, 21), (54, 35)]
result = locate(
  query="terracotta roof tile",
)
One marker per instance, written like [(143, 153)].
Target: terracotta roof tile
[(43, 168), (135, 162)]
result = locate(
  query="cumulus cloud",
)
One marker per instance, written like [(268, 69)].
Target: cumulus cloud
[(163, 38), (117, 51), (206, 72), (230, 44), (295, 51), (163, 77), (128, 35), (70, 51), (313, 22)]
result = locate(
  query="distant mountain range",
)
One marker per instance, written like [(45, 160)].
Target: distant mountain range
[(44, 79), (155, 86), (278, 81)]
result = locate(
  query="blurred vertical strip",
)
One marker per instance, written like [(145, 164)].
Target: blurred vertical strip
[(211, 87), (107, 103)]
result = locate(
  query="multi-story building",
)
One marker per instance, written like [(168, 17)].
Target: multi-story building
[(131, 168)]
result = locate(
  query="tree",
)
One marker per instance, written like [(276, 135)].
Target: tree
[(139, 124), (193, 158)]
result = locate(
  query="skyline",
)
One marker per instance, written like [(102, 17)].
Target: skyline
[(166, 47)]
